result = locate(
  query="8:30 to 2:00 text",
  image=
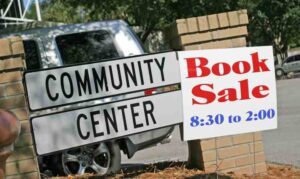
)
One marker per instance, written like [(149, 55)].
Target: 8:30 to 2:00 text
[(219, 119)]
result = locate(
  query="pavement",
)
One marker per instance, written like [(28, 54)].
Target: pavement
[(281, 145)]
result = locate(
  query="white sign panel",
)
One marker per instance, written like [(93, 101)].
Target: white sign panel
[(228, 91), (66, 85), (74, 128)]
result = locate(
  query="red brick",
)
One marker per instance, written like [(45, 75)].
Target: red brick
[(203, 23), (233, 151), (230, 32), (33, 175), (22, 154), (243, 138), (195, 38), (260, 168), (13, 63), (181, 26), (13, 102), (208, 144), (213, 21), (4, 47), (223, 20), (259, 157), (21, 113), (1, 65), (224, 142), (210, 167), (192, 24), (10, 77), (239, 42), (209, 155), (24, 166), (258, 136), (15, 39), (243, 17), (233, 18), (14, 88), (245, 160), (17, 47), (192, 47), (226, 164), (256, 147)]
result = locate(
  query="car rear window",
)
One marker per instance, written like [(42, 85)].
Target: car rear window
[(32, 55), (86, 47)]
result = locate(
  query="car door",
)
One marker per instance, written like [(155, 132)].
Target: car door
[(289, 64), (297, 63)]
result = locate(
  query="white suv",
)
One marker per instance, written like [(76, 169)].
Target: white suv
[(77, 43), (290, 64)]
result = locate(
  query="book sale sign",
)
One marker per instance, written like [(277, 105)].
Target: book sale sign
[(227, 91)]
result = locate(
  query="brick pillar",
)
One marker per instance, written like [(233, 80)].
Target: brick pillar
[(242, 154), (22, 163)]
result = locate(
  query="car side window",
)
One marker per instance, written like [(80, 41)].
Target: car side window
[(86, 47), (290, 60), (297, 58), (32, 55)]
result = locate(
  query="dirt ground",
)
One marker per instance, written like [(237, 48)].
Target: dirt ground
[(178, 170)]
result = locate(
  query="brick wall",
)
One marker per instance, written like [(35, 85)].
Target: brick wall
[(242, 154), (224, 30), (22, 163)]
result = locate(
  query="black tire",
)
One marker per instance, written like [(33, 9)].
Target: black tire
[(279, 73), (115, 164), (55, 162)]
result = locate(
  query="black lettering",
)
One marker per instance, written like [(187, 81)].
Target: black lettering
[(84, 137), (122, 108), (112, 120), (130, 73), (149, 68), (134, 115), (141, 72), (62, 82), (149, 112), (100, 81), (94, 123), (161, 67), (48, 89), (113, 79), (84, 84)]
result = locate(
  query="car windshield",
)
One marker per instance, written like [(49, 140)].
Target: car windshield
[(86, 47)]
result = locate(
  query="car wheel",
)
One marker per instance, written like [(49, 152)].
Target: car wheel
[(279, 73), (101, 159)]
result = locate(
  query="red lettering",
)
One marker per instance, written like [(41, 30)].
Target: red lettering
[(259, 65), (257, 91), (216, 69), (192, 67), (207, 95), (244, 87), (236, 67), (228, 94)]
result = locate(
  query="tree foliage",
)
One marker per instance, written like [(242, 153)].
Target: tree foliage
[(272, 22), (276, 22)]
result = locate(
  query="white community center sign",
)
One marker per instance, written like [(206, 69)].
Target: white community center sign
[(223, 92)]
